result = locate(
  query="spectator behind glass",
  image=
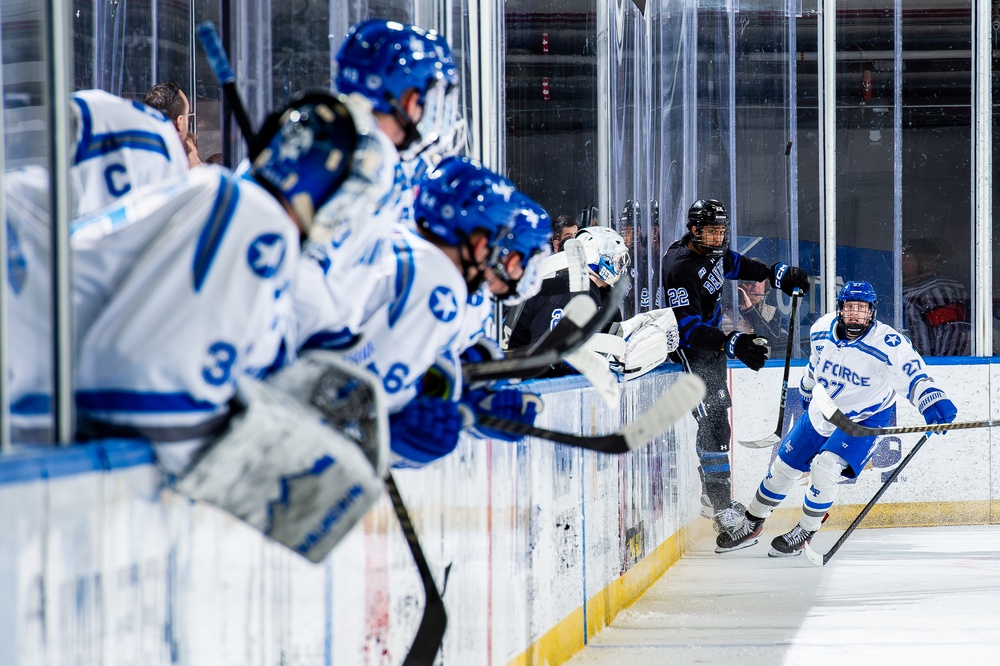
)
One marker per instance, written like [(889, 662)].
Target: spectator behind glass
[(563, 227), (170, 100), (755, 315), (936, 308)]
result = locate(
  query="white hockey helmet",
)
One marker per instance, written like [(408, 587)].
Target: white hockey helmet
[(607, 254)]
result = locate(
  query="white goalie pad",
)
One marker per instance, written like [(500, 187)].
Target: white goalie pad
[(281, 469), (349, 397), (639, 344)]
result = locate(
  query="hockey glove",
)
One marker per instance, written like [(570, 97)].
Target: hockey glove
[(936, 407), (789, 278), (426, 429), (806, 385), (509, 404), (747, 347)]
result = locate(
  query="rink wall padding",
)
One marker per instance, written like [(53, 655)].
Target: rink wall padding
[(543, 544)]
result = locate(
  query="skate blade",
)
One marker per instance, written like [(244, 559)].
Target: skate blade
[(741, 546), (778, 553)]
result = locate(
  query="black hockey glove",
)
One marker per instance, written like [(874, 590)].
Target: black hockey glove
[(789, 278), (748, 347)]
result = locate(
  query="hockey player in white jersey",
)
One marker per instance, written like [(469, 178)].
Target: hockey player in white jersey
[(395, 82), (416, 314), (185, 286), (864, 365), (120, 145)]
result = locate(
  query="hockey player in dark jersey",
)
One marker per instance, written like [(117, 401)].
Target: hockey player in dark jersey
[(543, 311), (694, 272)]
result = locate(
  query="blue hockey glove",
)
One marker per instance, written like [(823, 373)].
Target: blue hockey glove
[(789, 278), (426, 429), (509, 404), (936, 407)]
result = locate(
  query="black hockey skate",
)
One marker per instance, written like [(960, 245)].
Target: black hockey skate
[(791, 543), (746, 535), (729, 519)]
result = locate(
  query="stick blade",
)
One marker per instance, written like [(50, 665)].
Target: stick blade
[(763, 443), (579, 273), (683, 396), (824, 402), (594, 368), (814, 557)]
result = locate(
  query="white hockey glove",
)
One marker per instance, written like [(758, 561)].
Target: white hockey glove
[(806, 385)]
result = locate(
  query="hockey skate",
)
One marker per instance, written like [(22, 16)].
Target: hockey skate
[(744, 536), (790, 543), (730, 518)]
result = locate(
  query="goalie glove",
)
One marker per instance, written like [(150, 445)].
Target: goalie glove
[(639, 344), (506, 403)]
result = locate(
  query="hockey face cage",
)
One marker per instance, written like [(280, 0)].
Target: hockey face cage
[(857, 306)]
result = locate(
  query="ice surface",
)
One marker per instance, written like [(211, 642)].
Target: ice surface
[(889, 596)]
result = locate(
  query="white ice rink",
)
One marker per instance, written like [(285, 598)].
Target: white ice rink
[(889, 596)]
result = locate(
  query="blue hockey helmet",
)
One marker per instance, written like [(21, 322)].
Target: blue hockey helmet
[(381, 60), (706, 212), (856, 323), (531, 238), (303, 152), (461, 196)]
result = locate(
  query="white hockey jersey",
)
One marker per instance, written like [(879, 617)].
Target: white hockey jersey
[(119, 145), (178, 291), (414, 315), (862, 376), (478, 321)]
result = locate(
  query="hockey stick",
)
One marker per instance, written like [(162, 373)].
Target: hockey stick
[(565, 338), (680, 399), (572, 259), (832, 414), (434, 621), (219, 62), (596, 370), (818, 559), (771, 440)]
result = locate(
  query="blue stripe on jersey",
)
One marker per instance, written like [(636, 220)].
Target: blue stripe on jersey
[(140, 402), (86, 130), (716, 319), (215, 228), (871, 351), (331, 340), (909, 391), (870, 409), (95, 145), (114, 218), (822, 335), (737, 262), (32, 404), (687, 324), (405, 275)]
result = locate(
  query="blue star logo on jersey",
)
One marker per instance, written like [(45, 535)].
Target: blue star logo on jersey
[(443, 304), (265, 255), (892, 340)]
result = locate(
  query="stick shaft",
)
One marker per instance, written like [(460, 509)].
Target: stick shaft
[(788, 363), (868, 507), (219, 62)]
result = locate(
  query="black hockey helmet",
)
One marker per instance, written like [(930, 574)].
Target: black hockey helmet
[(705, 212)]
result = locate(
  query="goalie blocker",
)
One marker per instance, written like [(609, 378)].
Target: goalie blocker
[(639, 344), (282, 468)]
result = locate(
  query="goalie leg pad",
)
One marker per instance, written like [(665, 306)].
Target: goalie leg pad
[(773, 489), (281, 469), (349, 397)]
